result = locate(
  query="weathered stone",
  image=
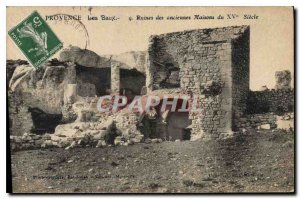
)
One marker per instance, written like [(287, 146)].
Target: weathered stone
[(101, 143), (283, 79), (265, 126), (47, 143), (100, 135), (154, 140), (222, 72), (38, 142)]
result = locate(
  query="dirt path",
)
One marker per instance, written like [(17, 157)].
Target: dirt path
[(263, 162)]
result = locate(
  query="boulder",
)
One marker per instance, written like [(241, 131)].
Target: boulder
[(11, 66), (42, 89), (20, 76), (65, 129), (265, 126), (131, 60), (83, 57)]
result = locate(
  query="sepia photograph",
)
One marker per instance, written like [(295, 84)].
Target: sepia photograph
[(169, 100)]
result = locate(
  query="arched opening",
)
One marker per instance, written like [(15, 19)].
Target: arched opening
[(97, 79)]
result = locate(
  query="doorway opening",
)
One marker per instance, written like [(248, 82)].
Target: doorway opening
[(44, 122), (167, 125)]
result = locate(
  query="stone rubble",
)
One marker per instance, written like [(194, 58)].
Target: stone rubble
[(212, 64)]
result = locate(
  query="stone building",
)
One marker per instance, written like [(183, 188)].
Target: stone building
[(210, 63)]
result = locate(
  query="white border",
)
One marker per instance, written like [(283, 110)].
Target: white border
[(5, 3)]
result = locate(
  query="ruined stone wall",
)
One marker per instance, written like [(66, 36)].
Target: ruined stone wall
[(211, 78), (283, 79), (279, 100), (28, 141), (170, 51), (256, 120), (205, 59), (276, 101)]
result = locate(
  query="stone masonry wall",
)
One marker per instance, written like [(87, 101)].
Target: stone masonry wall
[(256, 120), (215, 103), (29, 141), (277, 101), (206, 60)]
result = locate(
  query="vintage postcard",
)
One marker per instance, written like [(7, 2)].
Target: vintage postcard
[(150, 99)]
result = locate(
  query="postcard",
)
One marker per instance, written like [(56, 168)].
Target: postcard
[(150, 99)]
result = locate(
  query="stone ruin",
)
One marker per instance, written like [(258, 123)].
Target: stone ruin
[(283, 80), (204, 59), (56, 106)]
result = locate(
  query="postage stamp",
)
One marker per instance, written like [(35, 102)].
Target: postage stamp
[(35, 39)]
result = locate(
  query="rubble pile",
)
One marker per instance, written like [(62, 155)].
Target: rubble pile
[(113, 130), (29, 141)]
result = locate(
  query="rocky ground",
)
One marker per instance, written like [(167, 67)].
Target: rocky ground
[(256, 162)]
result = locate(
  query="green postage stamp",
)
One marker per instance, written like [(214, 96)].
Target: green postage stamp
[(35, 39)]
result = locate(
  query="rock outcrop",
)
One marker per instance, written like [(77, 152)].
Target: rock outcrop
[(67, 90), (11, 66), (42, 88), (131, 60), (83, 57)]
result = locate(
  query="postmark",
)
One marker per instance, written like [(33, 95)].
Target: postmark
[(35, 39), (73, 25)]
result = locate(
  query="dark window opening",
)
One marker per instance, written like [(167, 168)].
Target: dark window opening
[(256, 106), (186, 134), (170, 76), (131, 82), (99, 77), (44, 122)]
